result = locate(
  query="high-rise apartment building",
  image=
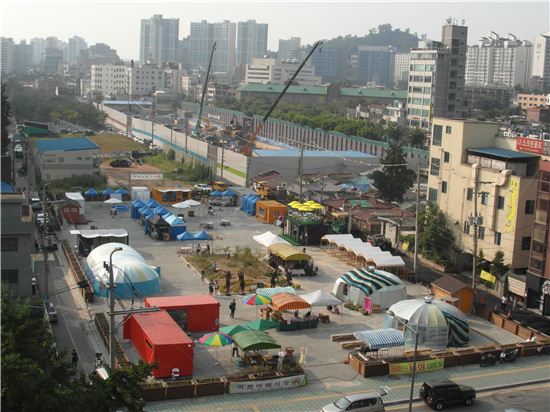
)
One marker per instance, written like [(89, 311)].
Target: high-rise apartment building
[(251, 41), (290, 49), (158, 40), (182, 52), (375, 65), (76, 45), (401, 63), (38, 46), (501, 61), (541, 60), (436, 78), (6, 57), (202, 37), (329, 63)]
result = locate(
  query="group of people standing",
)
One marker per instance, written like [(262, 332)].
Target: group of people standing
[(214, 286)]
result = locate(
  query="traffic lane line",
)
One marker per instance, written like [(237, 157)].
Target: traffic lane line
[(258, 403)]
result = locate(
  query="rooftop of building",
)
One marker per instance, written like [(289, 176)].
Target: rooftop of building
[(369, 92), (65, 144), (311, 153), (125, 102), (502, 154), (278, 88)]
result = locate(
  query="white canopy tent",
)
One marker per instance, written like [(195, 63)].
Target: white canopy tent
[(268, 238), (77, 197), (186, 204), (321, 298)]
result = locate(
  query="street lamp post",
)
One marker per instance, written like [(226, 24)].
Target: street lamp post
[(390, 313), (112, 348)]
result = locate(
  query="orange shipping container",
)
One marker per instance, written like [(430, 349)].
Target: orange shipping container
[(268, 211)]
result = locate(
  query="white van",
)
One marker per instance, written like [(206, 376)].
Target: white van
[(361, 402)]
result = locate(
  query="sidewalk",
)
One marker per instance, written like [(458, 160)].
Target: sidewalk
[(325, 384)]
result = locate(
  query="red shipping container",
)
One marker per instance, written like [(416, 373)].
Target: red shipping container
[(197, 313), (158, 338)]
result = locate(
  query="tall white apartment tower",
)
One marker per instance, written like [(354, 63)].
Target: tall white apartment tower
[(455, 39), (289, 49), (541, 59), (251, 41), (201, 38), (158, 40), (401, 63), (76, 44)]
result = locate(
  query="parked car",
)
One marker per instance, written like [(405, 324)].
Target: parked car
[(221, 186), (201, 187), (439, 394), (120, 163), (361, 402), (52, 313)]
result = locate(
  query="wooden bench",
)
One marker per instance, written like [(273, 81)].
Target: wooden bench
[(341, 336), (354, 344)]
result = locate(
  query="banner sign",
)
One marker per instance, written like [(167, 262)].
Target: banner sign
[(146, 176), (268, 384), (487, 276), (524, 144), (406, 368)]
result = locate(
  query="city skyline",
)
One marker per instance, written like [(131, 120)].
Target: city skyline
[(26, 20)]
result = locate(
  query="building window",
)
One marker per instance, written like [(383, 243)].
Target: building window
[(10, 276), (526, 243), (529, 207), (9, 244), (469, 194), (466, 227), (446, 156), (443, 187), (438, 131), (500, 203), (432, 195), (481, 233), (498, 236), (434, 166), (484, 198)]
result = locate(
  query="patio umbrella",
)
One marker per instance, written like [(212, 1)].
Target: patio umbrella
[(112, 200), (255, 299), (232, 329), (261, 324), (216, 339)]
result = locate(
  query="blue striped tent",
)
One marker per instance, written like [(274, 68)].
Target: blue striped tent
[(381, 338), (383, 288)]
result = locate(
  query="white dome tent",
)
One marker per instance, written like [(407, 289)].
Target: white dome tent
[(383, 288), (133, 277), (438, 323)]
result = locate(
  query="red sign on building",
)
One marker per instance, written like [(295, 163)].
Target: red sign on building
[(524, 144)]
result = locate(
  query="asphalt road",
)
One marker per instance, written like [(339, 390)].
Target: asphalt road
[(522, 399)]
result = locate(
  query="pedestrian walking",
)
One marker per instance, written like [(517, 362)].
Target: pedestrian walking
[(504, 303), (210, 287), (514, 303), (228, 283), (74, 358), (235, 351), (216, 287), (232, 307), (273, 280), (242, 282)]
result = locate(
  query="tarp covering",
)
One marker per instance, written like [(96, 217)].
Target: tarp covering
[(160, 210), (336, 238), (261, 324), (287, 301), (381, 338), (270, 292), (108, 191), (186, 236), (232, 329), (253, 340), (216, 193), (228, 193), (133, 277), (152, 203), (287, 252), (248, 204), (91, 234), (121, 191), (382, 287), (268, 238), (439, 323), (177, 225), (186, 204), (202, 235), (91, 192), (6, 187), (321, 298)]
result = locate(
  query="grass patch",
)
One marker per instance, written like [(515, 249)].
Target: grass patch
[(110, 142), (190, 171), (81, 183)]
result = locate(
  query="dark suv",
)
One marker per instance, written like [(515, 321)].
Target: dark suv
[(440, 393)]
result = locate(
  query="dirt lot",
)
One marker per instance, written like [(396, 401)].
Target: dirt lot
[(118, 176), (113, 143)]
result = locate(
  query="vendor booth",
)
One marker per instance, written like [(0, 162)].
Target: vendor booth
[(193, 313), (141, 193), (248, 203), (320, 298), (453, 291), (107, 193), (305, 228), (91, 195), (152, 203), (281, 303), (267, 239), (254, 340), (377, 339), (380, 287), (133, 277), (439, 324), (157, 228), (157, 338), (177, 226), (290, 260), (269, 211), (171, 195), (134, 208), (88, 240), (124, 195)]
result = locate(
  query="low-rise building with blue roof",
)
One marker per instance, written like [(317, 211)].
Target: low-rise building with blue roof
[(66, 157)]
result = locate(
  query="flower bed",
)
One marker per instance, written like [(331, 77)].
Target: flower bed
[(467, 356), (154, 392), (450, 359), (528, 348), (210, 386)]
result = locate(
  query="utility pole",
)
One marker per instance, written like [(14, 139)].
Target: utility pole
[(153, 119), (349, 218), (223, 153), (45, 247), (301, 169), (112, 330), (186, 133), (416, 221), (475, 223)]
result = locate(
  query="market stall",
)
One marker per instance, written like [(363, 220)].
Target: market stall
[(157, 228), (248, 203), (380, 287), (284, 302), (91, 194), (177, 225), (171, 195), (290, 259), (268, 211), (268, 238), (253, 341), (438, 323), (107, 193), (135, 205), (88, 240)]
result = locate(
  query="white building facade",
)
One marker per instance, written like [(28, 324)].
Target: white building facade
[(401, 64), (290, 49), (541, 59), (108, 79), (158, 40), (273, 71), (251, 41)]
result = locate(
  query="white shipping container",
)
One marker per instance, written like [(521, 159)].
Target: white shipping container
[(141, 193)]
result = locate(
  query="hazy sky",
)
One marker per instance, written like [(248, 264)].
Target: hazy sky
[(117, 23)]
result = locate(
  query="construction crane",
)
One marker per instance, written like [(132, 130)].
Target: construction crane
[(196, 132), (247, 150)]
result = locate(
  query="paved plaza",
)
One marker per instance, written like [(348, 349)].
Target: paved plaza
[(328, 375)]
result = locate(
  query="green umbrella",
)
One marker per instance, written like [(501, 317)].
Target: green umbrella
[(232, 329), (261, 324)]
